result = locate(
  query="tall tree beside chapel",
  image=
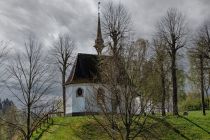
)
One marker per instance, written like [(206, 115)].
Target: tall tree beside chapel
[(62, 52), (172, 30)]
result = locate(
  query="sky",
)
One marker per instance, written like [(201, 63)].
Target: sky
[(47, 18)]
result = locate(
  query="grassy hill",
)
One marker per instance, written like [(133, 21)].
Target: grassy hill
[(195, 126)]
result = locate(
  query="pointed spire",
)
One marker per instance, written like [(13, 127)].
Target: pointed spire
[(99, 42)]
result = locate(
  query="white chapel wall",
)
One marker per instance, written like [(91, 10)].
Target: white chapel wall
[(78, 104), (88, 102)]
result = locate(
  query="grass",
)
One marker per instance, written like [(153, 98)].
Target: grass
[(72, 128), (194, 127)]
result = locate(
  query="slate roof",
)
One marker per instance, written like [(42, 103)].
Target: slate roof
[(85, 69)]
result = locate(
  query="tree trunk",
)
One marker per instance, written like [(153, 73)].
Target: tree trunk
[(28, 121), (202, 84), (163, 90), (127, 132), (64, 90), (174, 82), (207, 96)]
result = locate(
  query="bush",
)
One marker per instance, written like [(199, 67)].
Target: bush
[(190, 104)]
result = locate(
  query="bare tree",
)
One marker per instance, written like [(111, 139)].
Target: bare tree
[(119, 95), (201, 55), (172, 30), (62, 51), (162, 67), (116, 25), (30, 82), (120, 103), (124, 91)]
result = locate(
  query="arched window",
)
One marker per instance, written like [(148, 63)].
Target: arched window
[(100, 95), (79, 92)]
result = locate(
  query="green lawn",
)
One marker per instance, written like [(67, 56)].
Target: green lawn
[(71, 128), (195, 127)]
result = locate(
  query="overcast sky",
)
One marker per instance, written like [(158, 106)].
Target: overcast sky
[(47, 18)]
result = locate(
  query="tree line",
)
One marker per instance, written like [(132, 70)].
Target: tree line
[(5, 105)]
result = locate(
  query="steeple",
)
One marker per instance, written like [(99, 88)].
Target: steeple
[(99, 42)]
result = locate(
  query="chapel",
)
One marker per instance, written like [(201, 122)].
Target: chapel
[(84, 79)]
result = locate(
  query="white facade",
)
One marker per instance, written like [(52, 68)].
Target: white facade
[(87, 102), (83, 103)]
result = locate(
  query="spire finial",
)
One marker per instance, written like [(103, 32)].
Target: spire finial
[(99, 7), (99, 42)]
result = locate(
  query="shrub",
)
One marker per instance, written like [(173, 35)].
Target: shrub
[(190, 104)]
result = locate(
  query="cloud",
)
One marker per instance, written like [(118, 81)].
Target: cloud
[(146, 13), (48, 18)]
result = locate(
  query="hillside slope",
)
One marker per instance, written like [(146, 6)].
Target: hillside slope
[(195, 127)]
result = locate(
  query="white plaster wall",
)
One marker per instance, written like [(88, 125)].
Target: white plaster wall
[(69, 90), (88, 102), (80, 104)]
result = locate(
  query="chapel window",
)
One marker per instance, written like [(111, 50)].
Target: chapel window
[(79, 92)]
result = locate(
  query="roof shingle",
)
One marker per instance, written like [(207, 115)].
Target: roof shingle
[(85, 69)]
